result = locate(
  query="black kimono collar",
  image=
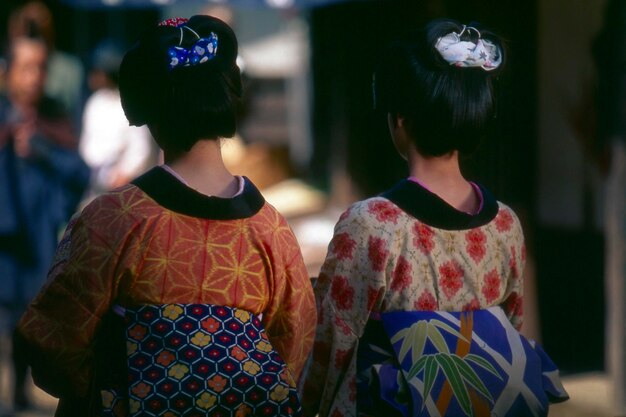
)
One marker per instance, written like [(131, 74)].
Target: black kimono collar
[(434, 211), (172, 194)]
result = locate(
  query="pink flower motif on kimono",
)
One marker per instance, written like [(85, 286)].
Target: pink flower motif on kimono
[(343, 246), (513, 305), (345, 329), (344, 215), (384, 211), (472, 305), (476, 244), (426, 302), (504, 220), (336, 413), (491, 286), (401, 275), (377, 253), (423, 238), (451, 278), (342, 293), (372, 296), (513, 264), (341, 356)]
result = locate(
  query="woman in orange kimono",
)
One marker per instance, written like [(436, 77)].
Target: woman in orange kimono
[(186, 276)]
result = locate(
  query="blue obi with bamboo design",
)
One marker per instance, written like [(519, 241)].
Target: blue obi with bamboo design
[(199, 360), (435, 363)]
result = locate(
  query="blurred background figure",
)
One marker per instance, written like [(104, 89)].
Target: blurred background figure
[(65, 71), (42, 178), (115, 151)]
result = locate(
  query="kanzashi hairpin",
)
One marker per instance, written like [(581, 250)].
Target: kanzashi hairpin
[(484, 53), (203, 50), (174, 22)]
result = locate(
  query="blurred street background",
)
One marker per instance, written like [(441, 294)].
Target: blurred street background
[(308, 137)]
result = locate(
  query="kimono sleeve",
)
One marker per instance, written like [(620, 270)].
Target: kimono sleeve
[(514, 295), (348, 289), (291, 315), (57, 330)]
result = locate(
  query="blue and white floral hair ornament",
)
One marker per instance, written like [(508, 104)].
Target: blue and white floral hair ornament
[(484, 53), (203, 50)]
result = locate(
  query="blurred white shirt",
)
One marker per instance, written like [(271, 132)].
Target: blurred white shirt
[(109, 145)]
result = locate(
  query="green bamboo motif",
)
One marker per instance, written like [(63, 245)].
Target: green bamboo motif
[(457, 370)]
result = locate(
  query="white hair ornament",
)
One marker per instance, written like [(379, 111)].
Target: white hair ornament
[(484, 53)]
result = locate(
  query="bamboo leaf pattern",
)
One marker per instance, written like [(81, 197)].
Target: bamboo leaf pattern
[(451, 368), (414, 338), (448, 328), (457, 370), (407, 341), (417, 367), (483, 363), (398, 336), (430, 375), (455, 379), (470, 376), (420, 340), (437, 339)]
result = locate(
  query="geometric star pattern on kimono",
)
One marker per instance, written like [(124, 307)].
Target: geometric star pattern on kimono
[(126, 249)]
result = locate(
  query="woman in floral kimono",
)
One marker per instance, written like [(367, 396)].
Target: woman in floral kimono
[(182, 292), (420, 297)]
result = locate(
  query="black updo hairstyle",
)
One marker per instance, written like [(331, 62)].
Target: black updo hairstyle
[(184, 104), (446, 107)]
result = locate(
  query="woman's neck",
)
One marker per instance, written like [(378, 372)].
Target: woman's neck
[(203, 169), (442, 176)]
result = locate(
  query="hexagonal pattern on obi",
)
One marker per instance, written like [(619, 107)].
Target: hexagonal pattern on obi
[(200, 360)]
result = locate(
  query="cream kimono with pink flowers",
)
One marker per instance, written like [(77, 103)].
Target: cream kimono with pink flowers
[(406, 250)]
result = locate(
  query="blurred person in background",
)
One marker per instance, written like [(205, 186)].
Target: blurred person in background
[(65, 71), (42, 178), (115, 151)]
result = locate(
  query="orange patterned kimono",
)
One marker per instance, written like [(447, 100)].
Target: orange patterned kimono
[(156, 241)]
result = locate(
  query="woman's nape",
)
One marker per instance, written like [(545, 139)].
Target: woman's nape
[(187, 98), (441, 174), (435, 87), (203, 169)]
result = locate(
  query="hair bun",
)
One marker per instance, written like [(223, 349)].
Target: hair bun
[(194, 93)]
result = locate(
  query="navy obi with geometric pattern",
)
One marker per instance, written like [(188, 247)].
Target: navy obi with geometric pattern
[(200, 360)]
